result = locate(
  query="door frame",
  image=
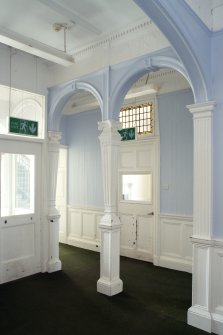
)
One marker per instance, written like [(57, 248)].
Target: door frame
[(43, 226), (155, 140)]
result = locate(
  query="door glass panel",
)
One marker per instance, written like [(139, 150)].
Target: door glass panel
[(137, 187), (17, 184)]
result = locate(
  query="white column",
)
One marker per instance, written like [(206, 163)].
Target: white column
[(199, 315), (54, 263), (109, 282)]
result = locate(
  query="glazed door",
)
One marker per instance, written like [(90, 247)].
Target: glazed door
[(19, 209)]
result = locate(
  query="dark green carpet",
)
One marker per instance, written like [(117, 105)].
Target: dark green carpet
[(155, 300)]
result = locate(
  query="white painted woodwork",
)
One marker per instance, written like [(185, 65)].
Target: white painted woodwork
[(217, 295), (109, 282), (83, 227), (207, 300), (202, 121), (61, 193), (175, 248), (137, 234), (169, 256), (54, 263), (199, 315), (20, 254)]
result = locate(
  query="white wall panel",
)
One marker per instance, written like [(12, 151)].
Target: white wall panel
[(170, 238), (145, 235), (218, 280), (144, 158), (88, 224), (23, 240), (83, 229), (175, 246), (75, 223)]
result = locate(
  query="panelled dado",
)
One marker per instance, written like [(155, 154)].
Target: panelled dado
[(175, 244), (83, 227), (83, 231)]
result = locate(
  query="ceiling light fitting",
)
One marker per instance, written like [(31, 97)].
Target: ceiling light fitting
[(65, 26)]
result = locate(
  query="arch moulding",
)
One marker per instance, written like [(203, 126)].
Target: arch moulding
[(60, 95)]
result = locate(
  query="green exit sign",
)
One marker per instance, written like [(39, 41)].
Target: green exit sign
[(127, 134), (23, 127)]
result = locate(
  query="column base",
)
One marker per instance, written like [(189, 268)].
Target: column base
[(217, 327), (200, 318), (54, 265), (109, 288)]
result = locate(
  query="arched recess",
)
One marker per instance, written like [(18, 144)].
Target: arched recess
[(139, 68), (59, 96), (178, 23)]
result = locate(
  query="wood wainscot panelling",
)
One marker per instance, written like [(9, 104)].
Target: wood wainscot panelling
[(83, 229), (175, 245)]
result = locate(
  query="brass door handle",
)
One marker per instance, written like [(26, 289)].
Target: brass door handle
[(151, 213)]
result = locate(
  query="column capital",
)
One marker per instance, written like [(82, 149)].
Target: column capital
[(54, 137), (202, 110), (110, 134), (109, 125)]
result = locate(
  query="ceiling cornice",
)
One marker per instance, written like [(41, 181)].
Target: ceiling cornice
[(113, 37)]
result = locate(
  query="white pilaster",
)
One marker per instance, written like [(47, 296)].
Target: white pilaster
[(54, 263), (109, 282), (199, 315)]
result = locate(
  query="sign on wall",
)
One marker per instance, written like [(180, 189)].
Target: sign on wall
[(23, 127), (127, 134)]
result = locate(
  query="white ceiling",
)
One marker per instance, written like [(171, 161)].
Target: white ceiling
[(88, 20), (30, 22)]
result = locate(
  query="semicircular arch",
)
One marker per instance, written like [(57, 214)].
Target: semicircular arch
[(60, 95), (137, 70)]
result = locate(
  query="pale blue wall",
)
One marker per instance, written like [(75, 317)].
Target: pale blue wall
[(80, 133), (176, 153), (217, 72)]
